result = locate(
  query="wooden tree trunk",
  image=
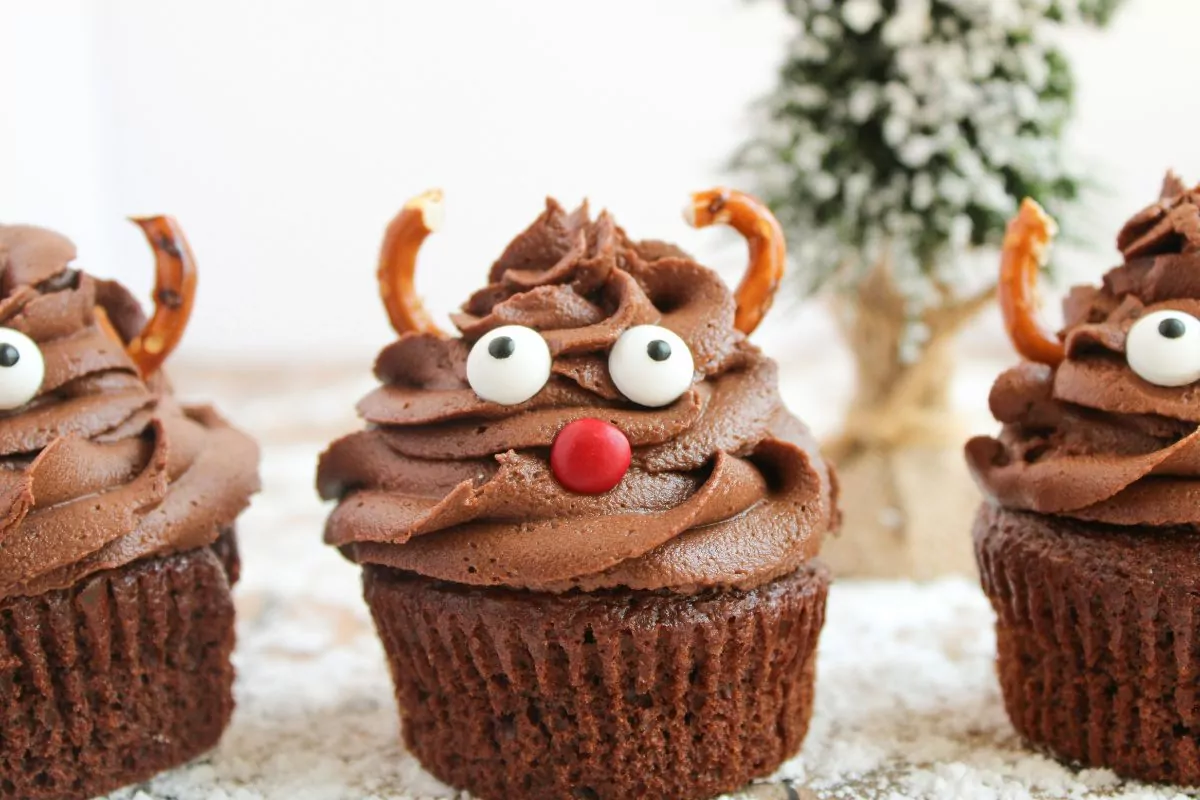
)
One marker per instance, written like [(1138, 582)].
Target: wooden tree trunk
[(907, 497)]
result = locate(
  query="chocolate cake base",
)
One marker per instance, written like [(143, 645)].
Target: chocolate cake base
[(1098, 640), (119, 677), (600, 696)]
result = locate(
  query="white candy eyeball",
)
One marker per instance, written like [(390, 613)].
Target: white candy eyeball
[(509, 365), (651, 365), (1163, 348), (21, 369)]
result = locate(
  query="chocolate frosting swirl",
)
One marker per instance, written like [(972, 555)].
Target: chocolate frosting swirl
[(1090, 439), (101, 468), (726, 488)]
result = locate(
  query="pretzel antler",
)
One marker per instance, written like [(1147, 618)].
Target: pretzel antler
[(174, 293), (1025, 242), (768, 250), (418, 218)]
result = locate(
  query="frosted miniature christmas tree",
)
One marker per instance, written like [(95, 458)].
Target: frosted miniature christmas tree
[(901, 136)]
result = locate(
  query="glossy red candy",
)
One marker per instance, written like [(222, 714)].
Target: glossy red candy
[(590, 456)]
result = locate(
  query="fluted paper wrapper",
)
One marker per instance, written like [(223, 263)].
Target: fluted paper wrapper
[(116, 678), (603, 695), (1096, 640)]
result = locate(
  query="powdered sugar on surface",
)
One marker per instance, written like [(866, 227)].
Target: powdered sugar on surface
[(907, 701)]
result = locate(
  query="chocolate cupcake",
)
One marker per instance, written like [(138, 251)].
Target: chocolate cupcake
[(587, 524), (117, 546), (1088, 544)]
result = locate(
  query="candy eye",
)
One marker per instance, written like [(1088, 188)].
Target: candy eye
[(651, 365), (1163, 348), (21, 369), (509, 365)]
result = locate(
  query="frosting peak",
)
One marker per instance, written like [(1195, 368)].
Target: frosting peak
[(724, 488), (102, 467), (1171, 225), (1096, 436)]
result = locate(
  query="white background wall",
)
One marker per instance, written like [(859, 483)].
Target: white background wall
[(285, 134)]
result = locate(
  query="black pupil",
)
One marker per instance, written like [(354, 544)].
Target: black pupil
[(658, 350), (502, 347), (1172, 328), (9, 355)]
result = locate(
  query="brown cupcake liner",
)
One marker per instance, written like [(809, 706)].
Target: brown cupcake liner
[(1097, 647), (116, 678), (618, 694)]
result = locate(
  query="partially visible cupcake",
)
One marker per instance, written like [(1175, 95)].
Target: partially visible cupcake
[(1088, 543), (587, 523), (117, 509)]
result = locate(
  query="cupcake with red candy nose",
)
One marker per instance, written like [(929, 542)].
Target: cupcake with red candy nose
[(587, 523)]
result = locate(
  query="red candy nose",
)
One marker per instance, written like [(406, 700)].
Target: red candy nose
[(590, 456)]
